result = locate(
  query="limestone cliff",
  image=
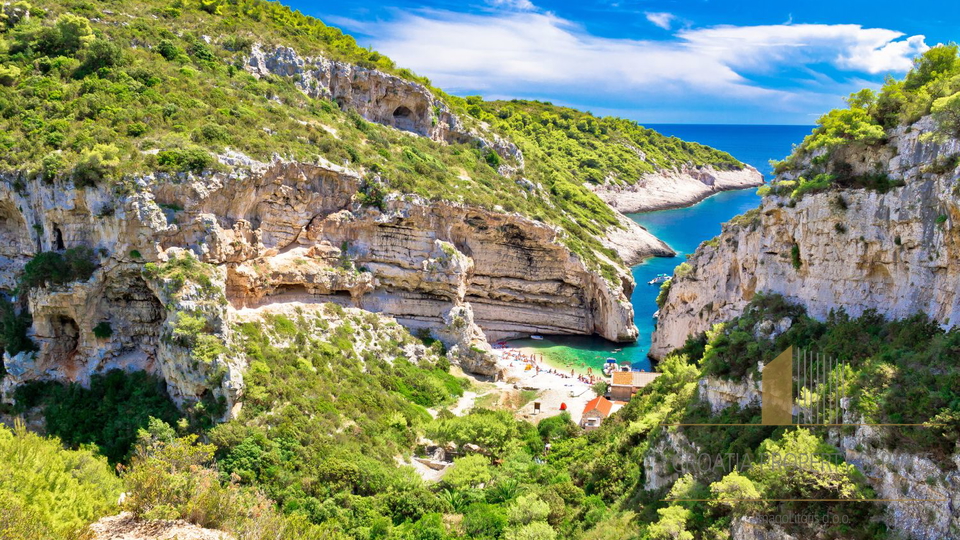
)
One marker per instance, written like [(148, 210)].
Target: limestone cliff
[(895, 252), (675, 188), (286, 232), (377, 96)]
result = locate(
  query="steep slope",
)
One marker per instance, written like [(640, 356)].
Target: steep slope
[(855, 250), (860, 217), (164, 166), (858, 233), (631, 168)]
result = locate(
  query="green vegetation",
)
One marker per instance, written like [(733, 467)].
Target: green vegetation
[(52, 268), (47, 493), (98, 93), (331, 401), (901, 372), (664, 293), (107, 414), (578, 147), (13, 328), (103, 330), (795, 257), (932, 87)]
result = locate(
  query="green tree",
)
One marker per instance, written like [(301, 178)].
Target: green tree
[(946, 112), (672, 524), (733, 491), (469, 472), (538, 530), (96, 164), (484, 521), (528, 509)]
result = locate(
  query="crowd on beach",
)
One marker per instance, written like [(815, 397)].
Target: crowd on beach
[(535, 362)]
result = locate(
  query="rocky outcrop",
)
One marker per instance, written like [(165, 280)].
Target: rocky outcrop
[(854, 249), (117, 319), (414, 260), (278, 233), (675, 188), (722, 393), (376, 96), (670, 457), (125, 526), (633, 243), (904, 478)]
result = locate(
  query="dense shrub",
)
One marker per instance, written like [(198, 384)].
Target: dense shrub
[(107, 414), (52, 268), (50, 493), (193, 158), (13, 328)]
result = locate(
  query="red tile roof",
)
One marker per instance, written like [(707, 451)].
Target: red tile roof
[(601, 404)]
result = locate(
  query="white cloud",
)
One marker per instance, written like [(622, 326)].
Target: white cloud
[(662, 20), (519, 5), (846, 46), (528, 53)]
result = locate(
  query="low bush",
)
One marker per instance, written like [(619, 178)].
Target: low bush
[(48, 493), (52, 268)]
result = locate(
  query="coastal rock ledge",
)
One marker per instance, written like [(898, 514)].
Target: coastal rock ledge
[(676, 188)]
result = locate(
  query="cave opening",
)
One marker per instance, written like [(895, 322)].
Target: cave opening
[(403, 119), (66, 338), (58, 239)]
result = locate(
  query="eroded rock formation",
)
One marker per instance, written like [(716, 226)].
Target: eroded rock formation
[(288, 232), (377, 96), (856, 249), (675, 188)]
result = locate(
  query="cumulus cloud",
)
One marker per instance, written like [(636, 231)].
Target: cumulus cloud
[(663, 20), (539, 53)]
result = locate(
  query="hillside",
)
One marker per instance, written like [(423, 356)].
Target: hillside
[(855, 240), (245, 263), (172, 94)]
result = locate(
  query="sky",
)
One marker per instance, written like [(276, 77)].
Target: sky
[(666, 61)]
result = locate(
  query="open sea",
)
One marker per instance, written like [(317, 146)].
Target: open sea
[(683, 229)]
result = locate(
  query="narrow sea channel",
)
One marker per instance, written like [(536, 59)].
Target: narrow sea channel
[(683, 229)]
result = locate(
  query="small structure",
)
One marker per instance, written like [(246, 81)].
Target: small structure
[(596, 411), (624, 384)]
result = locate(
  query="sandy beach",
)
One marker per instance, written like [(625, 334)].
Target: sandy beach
[(554, 388)]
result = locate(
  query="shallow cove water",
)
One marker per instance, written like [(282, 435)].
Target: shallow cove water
[(683, 229)]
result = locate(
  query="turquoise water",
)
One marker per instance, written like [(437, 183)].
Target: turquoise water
[(683, 229)]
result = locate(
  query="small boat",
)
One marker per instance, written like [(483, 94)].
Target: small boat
[(659, 279), (536, 337)]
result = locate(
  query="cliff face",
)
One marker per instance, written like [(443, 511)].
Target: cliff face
[(377, 96), (674, 189), (856, 249), (280, 233)]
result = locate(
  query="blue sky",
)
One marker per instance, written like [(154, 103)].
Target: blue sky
[(674, 61)]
